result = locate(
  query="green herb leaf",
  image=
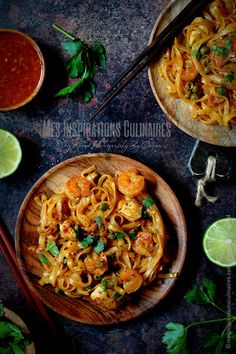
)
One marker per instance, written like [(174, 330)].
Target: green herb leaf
[(229, 77), (103, 207), (175, 338), (104, 285), (220, 345), (88, 240), (132, 235), (120, 235), (99, 247), (75, 66), (43, 259), (82, 64), (222, 90), (98, 220), (73, 47), (52, 248), (228, 43), (99, 54), (196, 53), (211, 340), (201, 294), (147, 202)]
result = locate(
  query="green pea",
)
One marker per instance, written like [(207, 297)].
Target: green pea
[(204, 50), (194, 97), (195, 89)]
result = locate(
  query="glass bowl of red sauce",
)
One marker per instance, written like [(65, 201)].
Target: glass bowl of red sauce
[(22, 69)]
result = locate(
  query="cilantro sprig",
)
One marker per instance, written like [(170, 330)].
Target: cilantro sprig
[(176, 334), (82, 65), (12, 339)]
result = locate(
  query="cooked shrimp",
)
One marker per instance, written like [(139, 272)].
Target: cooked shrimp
[(77, 186), (130, 183), (104, 298), (143, 245), (130, 209), (130, 279), (96, 263)]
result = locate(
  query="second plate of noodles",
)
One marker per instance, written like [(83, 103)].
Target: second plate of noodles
[(101, 238), (194, 80)]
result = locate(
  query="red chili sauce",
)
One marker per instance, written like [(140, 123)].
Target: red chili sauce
[(20, 69)]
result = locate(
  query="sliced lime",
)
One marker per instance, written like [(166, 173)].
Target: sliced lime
[(10, 153), (219, 242)]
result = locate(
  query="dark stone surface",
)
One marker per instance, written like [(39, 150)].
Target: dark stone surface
[(124, 29)]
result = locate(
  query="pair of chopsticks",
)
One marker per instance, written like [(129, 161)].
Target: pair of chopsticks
[(151, 52), (33, 301)]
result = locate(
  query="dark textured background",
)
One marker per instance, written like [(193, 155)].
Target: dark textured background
[(124, 29)]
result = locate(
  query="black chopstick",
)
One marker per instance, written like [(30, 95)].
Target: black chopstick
[(155, 48)]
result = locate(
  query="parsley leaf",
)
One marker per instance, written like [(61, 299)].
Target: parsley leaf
[(222, 90), (120, 235), (104, 285), (196, 53), (103, 207), (98, 220), (52, 248), (147, 202), (43, 259), (132, 235), (229, 77), (99, 247), (211, 340), (220, 51), (73, 47), (175, 338), (201, 294), (88, 240), (82, 65)]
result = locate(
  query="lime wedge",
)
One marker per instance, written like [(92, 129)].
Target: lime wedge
[(219, 242), (10, 153)]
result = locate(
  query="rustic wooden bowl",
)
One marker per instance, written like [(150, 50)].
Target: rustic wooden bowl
[(40, 80), (175, 109), (14, 318), (79, 309)]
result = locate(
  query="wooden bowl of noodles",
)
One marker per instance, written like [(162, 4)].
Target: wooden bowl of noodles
[(82, 309)]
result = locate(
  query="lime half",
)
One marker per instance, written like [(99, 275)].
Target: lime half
[(10, 153), (219, 242)]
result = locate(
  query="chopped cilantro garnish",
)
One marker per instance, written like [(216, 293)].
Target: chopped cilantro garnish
[(196, 53), (88, 240), (98, 220), (100, 246), (147, 202), (132, 235), (228, 43), (104, 285), (52, 248), (222, 90), (118, 296), (229, 77), (43, 259), (120, 235), (103, 207)]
